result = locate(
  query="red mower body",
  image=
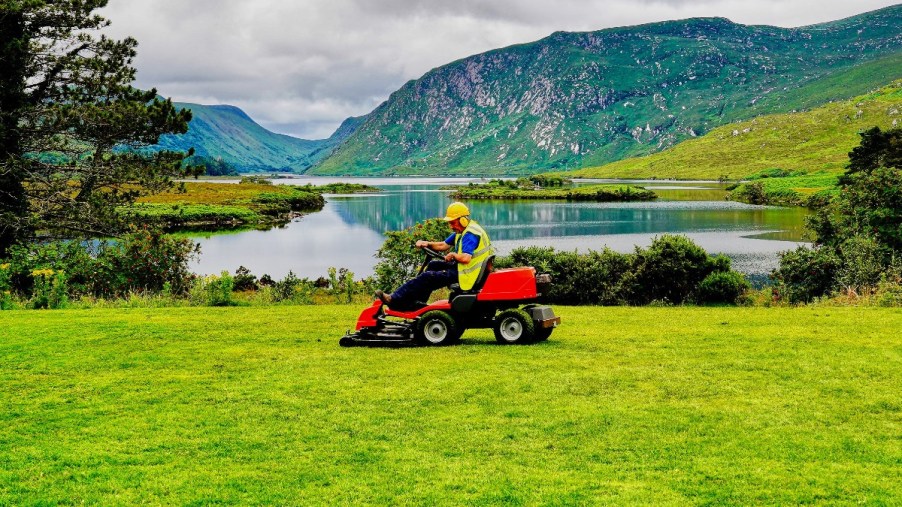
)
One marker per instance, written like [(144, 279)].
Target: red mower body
[(512, 284)]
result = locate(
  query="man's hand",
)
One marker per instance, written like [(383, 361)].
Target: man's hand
[(451, 257), (421, 243)]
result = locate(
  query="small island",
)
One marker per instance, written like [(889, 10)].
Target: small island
[(551, 188), (254, 202)]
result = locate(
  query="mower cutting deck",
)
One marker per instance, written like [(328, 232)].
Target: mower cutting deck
[(494, 302)]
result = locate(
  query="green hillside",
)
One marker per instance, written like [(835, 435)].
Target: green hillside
[(226, 136), (579, 99), (814, 141), (623, 406)]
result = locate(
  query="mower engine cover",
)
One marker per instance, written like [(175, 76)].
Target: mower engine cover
[(509, 284)]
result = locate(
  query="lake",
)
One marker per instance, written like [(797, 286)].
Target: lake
[(350, 228)]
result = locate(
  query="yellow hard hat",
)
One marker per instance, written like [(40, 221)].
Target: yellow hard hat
[(456, 210)]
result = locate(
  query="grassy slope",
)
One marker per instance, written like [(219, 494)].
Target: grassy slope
[(812, 141), (624, 405)]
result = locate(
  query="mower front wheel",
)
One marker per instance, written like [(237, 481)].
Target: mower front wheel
[(437, 328), (514, 327)]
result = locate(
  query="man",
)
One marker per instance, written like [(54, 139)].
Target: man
[(468, 249)]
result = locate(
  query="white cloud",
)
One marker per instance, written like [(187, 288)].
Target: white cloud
[(301, 67)]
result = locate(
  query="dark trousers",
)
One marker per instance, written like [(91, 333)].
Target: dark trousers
[(437, 274)]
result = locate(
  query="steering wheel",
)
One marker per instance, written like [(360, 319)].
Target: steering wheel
[(430, 254)]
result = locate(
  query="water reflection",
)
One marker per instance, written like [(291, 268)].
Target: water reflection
[(349, 230)]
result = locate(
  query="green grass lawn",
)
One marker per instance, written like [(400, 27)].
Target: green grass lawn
[(259, 405)]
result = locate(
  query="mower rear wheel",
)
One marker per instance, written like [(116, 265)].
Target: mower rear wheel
[(514, 327), (543, 333), (437, 328)]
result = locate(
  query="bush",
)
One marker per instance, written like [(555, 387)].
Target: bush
[(6, 299), (399, 259), (49, 290), (254, 180), (143, 261), (341, 281), (219, 289), (670, 270), (292, 288), (862, 264), (889, 291), (593, 278), (244, 280), (806, 273), (722, 287)]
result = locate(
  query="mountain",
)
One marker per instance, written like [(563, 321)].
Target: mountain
[(814, 141), (226, 138), (581, 99)]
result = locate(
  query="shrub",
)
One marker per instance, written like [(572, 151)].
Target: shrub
[(889, 291), (254, 180), (342, 284), (669, 270), (49, 290), (6, 297), (399, 259), (244, 280), (292, 288), (71, 257), (219, 289), (144, 261), (141, 261), (806, 273), (862, 264), (722, 287), (593, 278)]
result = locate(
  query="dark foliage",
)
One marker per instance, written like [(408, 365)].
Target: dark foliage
[(244, 280), (142, 261), (858, 234), (669, 271), (722, 287), (806, 273), (877, 149), (71, 125)]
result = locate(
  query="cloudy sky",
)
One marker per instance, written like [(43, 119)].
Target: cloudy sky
[(302, 66)]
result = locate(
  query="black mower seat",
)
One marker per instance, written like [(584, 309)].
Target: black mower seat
[(463, 300), (480, 280)]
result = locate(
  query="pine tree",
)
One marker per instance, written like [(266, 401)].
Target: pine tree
[(72, 128)]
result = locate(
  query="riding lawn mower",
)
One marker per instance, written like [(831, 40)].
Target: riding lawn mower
[(505, 300)]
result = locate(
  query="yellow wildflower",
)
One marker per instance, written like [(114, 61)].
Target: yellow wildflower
[(42, 272), (4, 266)]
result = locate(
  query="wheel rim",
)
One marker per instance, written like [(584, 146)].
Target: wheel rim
[(511, 329), (435, 331)]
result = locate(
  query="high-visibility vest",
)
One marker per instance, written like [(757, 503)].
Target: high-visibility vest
[(469, 272)]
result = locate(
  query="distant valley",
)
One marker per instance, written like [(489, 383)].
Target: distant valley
[(228, 141)]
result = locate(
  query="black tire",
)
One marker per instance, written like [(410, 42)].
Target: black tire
[(514, 327), (543, 333), (437, 328)]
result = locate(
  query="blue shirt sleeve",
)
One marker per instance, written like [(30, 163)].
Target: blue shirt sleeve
[(471, 241)]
